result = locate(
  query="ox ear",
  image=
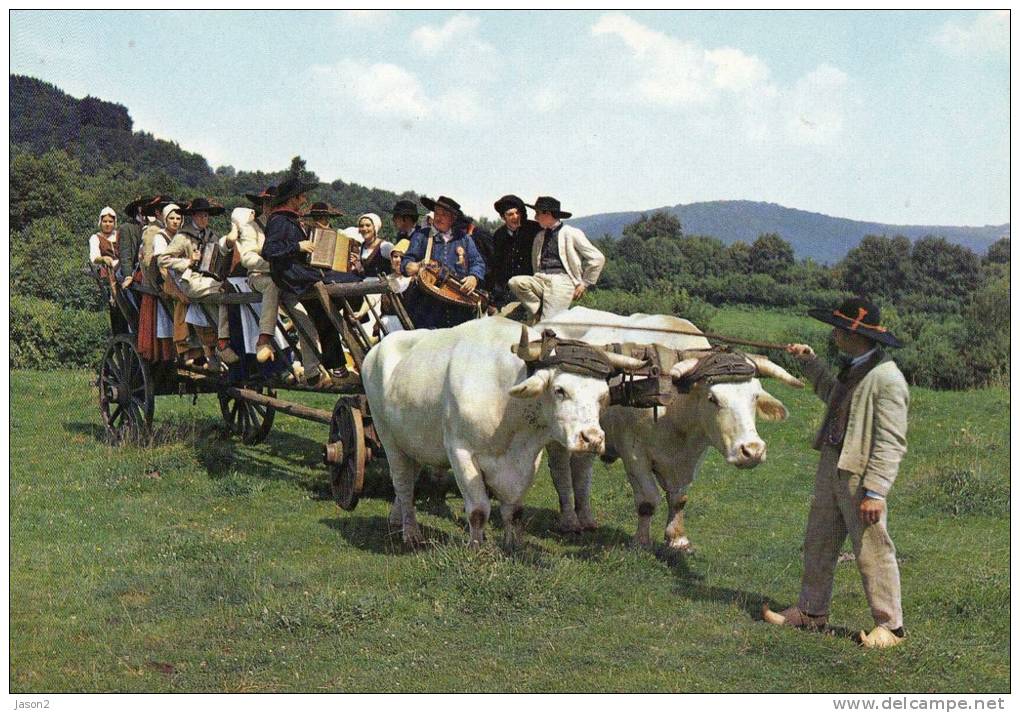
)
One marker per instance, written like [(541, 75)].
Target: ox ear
[(531, 387), (770, 408)]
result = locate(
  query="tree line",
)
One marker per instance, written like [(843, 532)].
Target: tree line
[(949, 305)]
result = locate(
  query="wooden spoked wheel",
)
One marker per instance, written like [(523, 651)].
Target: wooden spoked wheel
[(345, 453), (126, 398), (251, 422)]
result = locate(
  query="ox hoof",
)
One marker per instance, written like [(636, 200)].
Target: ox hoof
[(413, 537), (641, 543), (681, 545), (588, 524), (568, 524)]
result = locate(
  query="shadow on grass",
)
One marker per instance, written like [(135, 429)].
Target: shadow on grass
[(373, 533)]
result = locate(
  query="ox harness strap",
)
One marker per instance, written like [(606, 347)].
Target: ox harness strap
[(653, 386), (571, 355)]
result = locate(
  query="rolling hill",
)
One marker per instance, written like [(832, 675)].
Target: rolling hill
[(823, 238)]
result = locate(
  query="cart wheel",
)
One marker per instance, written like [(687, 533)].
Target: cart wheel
[(126, 398), (345, 454), (252, 422)]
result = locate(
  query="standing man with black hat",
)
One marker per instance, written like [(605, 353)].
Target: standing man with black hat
[(862, 440), (453, 249), (514, 240), (129, 237), (564, 260)]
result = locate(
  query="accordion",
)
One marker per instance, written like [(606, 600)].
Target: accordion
[(214, 263), (331, 250)]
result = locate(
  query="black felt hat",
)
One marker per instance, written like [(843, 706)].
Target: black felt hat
[(131, 209), (157, 203), (266, 194), (199, 205), (405, 208), (510, 201), (443, 202), (859, 316), (290, 188), (548, 204), (323, 210)]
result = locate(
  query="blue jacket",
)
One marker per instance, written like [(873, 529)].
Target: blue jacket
[(460, 255), (288, 265)]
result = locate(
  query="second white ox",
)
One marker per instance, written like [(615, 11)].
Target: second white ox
[(459, 398), (670, 448)]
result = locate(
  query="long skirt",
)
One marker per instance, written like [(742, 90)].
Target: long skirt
[(151, 345)]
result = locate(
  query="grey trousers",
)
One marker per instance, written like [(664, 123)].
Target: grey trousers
[(263, 283), (834, 514)]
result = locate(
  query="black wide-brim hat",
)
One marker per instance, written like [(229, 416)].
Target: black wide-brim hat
[(203, 204), (548, 204), (323, 210), (157, 203), (290, 188), (132, 208), (510, 201), (443, 202), (405, 208), (259, 198), (859, 316)]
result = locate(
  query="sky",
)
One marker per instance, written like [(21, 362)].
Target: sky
[(896, 117)]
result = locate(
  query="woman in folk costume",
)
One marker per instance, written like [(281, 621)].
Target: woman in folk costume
[(155, 326), (182, 255), (375, 252), (104, 255)]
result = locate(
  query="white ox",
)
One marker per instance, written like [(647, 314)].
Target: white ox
[(668, 449), (459, 398)]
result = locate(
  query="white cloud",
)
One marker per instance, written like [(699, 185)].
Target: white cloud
[(386, 89), (457, 34), (987, 33), (725, 86), (816, 106), (376, 89), (673, 72)]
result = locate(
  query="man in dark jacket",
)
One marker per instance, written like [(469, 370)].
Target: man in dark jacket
[(129, 237), (286, 248), (513, 243)]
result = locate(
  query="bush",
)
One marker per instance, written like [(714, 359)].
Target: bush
[(44, 336)]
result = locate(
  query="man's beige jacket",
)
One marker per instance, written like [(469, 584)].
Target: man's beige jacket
[(876, 433), (582, 260)]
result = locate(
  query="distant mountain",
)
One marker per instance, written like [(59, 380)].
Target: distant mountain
[(821, 237)]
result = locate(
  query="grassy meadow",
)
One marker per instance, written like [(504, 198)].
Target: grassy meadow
[(201, 564)]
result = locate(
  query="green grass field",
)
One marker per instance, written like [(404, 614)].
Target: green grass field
[(200, 564)]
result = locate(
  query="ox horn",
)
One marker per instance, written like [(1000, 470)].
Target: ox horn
[(683, 368), (525, 350), (770, 369), (620, 361)]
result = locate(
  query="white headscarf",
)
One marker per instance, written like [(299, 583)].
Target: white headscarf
[(170, 207), (107, 211), (376, 221)]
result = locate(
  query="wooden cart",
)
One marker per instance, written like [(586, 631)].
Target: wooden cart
[(128, 384)]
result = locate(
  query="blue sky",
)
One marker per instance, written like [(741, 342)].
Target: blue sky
[(900, 117)]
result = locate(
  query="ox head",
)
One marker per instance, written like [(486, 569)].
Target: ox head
[(726, 411), (568, 383)]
